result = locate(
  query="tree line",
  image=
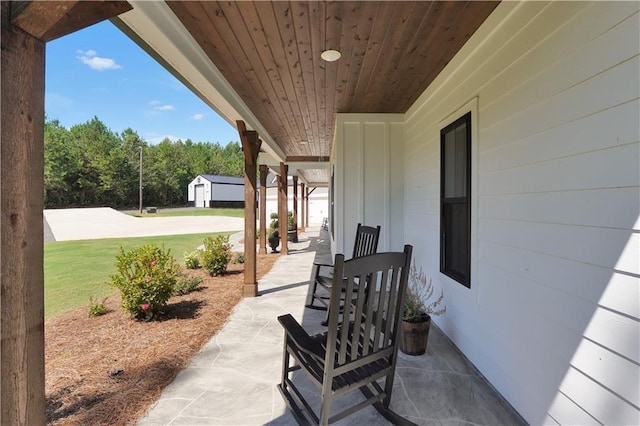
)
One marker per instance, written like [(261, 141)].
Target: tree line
[(88, 165)]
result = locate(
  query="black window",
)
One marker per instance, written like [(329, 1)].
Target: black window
[(332, 191), (455, 200)]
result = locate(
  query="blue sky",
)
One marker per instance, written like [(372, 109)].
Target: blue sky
[(100, 72)]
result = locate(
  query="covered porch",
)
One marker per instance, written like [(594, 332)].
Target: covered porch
[(549, 95), (233, 378)]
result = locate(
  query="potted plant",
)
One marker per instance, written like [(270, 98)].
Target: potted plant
[(274, 235), (417, 312), (292, 232)]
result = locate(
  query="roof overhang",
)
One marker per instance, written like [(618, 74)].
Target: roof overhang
[(154, 27)]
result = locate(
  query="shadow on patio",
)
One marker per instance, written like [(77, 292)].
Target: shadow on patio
[(233, 379)]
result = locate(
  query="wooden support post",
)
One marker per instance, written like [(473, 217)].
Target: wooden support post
[(251, 147), (264, 171), (295, 203), (283, 208), (303, 224), (307, 203), (22, 400)]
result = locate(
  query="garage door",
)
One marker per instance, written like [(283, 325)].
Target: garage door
[(200, 202)]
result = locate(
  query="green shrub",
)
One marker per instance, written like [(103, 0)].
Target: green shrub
[(192, 260), (290, 226), (273, 226), (146, 278), (185, 285), (216, 255), (239, 258), (96, 308)]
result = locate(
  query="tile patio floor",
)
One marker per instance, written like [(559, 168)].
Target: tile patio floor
[(232, 380)]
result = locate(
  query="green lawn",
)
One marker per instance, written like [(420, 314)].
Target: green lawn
[(193, 212), (77, 270)]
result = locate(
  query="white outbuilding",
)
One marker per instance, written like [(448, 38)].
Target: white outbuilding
[(216, 191)]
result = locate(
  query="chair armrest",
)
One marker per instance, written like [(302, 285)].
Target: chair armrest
[(300, 337)]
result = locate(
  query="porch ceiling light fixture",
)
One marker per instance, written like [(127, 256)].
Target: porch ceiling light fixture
[(330, 55)]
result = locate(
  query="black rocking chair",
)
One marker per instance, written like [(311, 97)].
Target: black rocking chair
[(360, 346), (366, 243)]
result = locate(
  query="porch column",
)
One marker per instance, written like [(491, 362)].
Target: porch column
[(264, 171), (303, 224), (307, 209), (283, 208), (22, 399), (250, 147), (295, 203)]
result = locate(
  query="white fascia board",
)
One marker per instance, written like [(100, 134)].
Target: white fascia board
[(268, 159), (265, 158), (153, 26), (308, 165), (274, 166)]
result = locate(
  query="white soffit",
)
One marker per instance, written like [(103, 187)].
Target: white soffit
[(166, 39)]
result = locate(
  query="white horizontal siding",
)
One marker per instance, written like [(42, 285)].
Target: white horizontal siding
[(609, 207), (608, 368), (564, 411), (590, 245), (602, 404), (553, 314), (588, 134), (621, 295)]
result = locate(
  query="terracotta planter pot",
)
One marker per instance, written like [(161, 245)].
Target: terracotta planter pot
[(413, 337)]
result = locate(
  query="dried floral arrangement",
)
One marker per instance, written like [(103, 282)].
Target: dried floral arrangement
[(418, 305)]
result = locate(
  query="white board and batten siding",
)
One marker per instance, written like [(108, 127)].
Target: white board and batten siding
[(369, 179), (318, 203), (552, 316)]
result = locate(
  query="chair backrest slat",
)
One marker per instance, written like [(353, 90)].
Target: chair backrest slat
[(372, 288), (357, 323), (366, 241), (391, 307)]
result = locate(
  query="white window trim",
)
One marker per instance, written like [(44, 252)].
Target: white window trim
[(453, 285)]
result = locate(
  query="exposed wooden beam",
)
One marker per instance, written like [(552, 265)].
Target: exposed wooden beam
[(306, 202), (295, 204), (264, 172), (303, 216), (251, 147), (22, 399), (48, 20), (283, 208)]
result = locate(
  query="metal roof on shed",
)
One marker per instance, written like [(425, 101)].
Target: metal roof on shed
[(224, 179)]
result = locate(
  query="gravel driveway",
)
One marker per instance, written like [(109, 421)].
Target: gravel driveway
[(105, 222)]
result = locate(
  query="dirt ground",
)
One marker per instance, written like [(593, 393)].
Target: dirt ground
[(108, 370)]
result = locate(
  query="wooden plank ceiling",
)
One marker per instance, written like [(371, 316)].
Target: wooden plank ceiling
[(270, 54)]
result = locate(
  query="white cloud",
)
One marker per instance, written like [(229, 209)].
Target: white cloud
[(166, 107), (91, 58), (159, 106), (197, 117), (155, 138)]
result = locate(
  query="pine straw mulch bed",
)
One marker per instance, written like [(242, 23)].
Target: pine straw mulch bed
[(108, 370)]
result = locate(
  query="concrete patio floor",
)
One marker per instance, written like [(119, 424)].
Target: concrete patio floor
[(232, 380)]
